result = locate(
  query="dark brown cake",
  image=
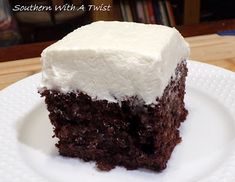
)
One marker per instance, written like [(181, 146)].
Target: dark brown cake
[(129, 134)]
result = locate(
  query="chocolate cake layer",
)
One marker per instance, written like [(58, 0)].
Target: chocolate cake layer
[(130, 134)]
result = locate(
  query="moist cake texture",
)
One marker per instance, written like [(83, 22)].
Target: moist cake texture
[(115, 93)]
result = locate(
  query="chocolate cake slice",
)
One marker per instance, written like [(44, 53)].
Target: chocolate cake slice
[(115, 93)]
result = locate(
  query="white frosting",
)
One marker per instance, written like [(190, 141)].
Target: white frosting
[(112, 60)]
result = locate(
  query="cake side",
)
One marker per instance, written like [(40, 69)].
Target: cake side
[(112, 60), (129, 134)]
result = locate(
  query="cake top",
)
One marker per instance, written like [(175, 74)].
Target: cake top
[(146, 40), (112, 60)]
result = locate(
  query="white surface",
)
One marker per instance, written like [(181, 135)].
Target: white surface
[(111, 60), (206, 154)]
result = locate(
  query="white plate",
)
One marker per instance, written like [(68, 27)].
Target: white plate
[(207, 152)]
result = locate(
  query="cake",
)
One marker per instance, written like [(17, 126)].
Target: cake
[(115, 93)]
